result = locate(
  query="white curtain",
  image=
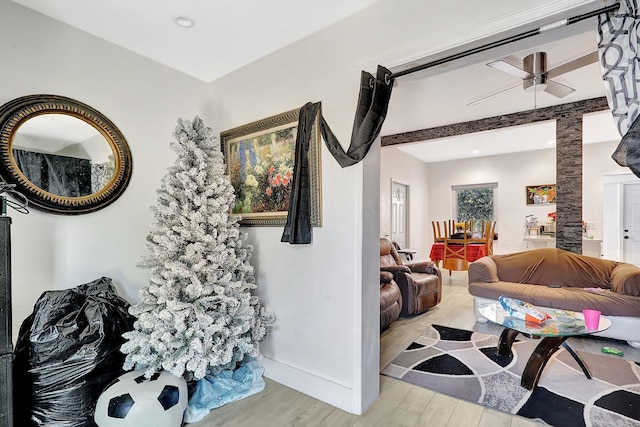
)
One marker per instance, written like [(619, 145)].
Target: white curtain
[(618, 45)]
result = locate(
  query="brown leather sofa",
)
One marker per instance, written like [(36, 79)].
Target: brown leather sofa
[(420, 283), (559, 280), (390, 300)]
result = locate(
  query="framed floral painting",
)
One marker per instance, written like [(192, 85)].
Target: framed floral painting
[(541, 194), (260, 159)]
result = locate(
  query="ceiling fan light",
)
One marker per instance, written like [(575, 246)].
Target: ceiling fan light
[(536, 63)]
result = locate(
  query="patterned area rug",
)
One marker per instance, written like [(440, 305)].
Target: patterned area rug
[(464, 364)]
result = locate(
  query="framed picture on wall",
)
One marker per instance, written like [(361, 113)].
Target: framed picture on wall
[(541, 194), (260, 159)]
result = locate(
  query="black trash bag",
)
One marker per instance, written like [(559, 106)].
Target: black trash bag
[(67, 352)]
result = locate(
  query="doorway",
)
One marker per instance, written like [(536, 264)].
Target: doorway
[(631, 223), (399, 213), (621, 218)]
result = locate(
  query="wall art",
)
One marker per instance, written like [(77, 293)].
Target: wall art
[(541, 194), (260, 163)]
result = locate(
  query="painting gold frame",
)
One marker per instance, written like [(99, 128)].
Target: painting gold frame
[(260, 160)]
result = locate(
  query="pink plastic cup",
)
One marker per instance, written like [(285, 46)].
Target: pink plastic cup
[(591, 319)]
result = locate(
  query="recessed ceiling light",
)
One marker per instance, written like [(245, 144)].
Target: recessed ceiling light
[(184, 21), (476, 151), (551, 142)]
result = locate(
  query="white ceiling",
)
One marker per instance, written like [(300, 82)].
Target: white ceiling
[(597, 127), (448, 91), (443, 97), (229, 34)]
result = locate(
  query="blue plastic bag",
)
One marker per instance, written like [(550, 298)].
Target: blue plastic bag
[(228, 386)]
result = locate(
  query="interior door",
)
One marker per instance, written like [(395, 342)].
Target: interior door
[(399, 213), (631, 224)]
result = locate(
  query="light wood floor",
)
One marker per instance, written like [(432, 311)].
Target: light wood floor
[(400, 403)]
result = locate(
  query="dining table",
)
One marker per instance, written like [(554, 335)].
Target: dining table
[(474, 251)]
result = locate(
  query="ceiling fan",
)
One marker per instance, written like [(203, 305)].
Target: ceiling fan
[(535, 76)]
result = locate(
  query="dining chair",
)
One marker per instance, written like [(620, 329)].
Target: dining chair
[(491, 234), (488, 232), (449, 227), (455, 251), (438, 237)]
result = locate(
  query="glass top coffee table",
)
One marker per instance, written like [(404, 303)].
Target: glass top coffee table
[(554, 333)]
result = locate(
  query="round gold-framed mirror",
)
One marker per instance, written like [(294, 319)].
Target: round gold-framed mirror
[(62, 155)]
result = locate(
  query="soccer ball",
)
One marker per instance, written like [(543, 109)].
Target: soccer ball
[(136, 401)]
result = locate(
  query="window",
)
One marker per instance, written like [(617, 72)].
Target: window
[(474, 202)]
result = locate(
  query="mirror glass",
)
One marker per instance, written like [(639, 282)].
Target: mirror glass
[(64, 156)]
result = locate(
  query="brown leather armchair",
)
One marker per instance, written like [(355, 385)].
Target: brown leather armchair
[(420, 283), (390, 300)]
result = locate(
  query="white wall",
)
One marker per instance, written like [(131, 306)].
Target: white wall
[(597, 163), (513, 172), (143, 99), (326, 342), (399, 166), (320, 291), (613, 216), (315, 290)]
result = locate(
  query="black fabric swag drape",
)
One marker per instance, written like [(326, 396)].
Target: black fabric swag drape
[(371, 111)]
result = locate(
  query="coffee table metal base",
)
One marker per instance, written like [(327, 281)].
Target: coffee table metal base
[(540, 356)]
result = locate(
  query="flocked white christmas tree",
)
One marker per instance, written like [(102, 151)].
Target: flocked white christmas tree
[(197, 316)]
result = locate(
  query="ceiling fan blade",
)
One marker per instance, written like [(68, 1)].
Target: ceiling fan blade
[(478, 101), (558, 89), (508, 68), (573, 65)]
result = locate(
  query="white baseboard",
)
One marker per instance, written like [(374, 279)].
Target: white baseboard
[(335, 394)]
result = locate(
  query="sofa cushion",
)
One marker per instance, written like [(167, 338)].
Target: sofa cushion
[(483, 270), (553, 266), (625, 279)]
